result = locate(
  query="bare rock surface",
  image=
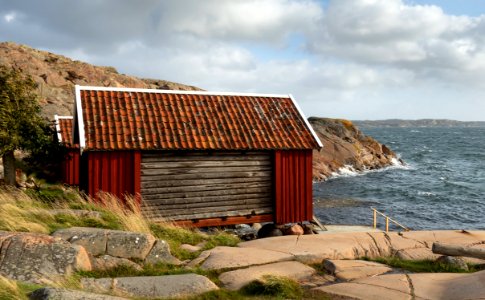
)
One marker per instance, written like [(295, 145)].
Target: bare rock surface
[(233, 257), (354, 245), (354, 269), (344, 145), (105, 262), (234, 280), (65, 294), (117, 243), (39, 258), (56, 76), (170, 286), (410, 286)]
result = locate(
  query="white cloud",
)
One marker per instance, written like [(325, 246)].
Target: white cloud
[(355, 58), (9, 17)]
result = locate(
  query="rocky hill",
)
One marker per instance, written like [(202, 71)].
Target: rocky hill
[(345, 146), (56, 76)]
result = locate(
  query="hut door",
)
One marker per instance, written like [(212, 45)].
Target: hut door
[(188, 186)]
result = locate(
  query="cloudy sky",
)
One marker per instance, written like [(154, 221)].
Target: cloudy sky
[(353, 59)]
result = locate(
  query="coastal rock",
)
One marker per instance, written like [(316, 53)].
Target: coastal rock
[(160, 253), (65, 294), (106, 262), (354, 269), (454, 262), (39, 258), (294, 230), (234, 280), (269, 230), (345, 146), (170, 286), (117, 243), (56, 76), (234, 257)]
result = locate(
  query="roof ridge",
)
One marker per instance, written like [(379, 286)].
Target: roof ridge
[(157, 91)]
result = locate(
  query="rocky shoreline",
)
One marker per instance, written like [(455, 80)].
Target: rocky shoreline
[(327, 265), (345, 147)]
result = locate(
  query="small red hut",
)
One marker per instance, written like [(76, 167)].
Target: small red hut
[(198, 158), (70, 164)]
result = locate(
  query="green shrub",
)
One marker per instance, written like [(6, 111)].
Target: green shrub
[(275, 287)]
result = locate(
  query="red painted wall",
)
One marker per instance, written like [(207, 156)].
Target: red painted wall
[(70, 167), (114, 172), (293, 186)]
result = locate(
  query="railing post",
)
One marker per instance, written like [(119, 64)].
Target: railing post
[(387, 224), (375, 218)]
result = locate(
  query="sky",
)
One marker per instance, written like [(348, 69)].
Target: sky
[(352, 59)]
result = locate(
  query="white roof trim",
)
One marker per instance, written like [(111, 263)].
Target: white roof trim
[(58, 125), (78, 113), (315, 136), (135, 90), (58, 128)]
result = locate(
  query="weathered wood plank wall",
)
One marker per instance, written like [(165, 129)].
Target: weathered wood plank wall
[(189, 186)]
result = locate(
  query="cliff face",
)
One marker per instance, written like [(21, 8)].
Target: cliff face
[(345, 145), (56, 76)]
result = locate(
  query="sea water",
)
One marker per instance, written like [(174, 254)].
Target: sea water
[(442, 185)]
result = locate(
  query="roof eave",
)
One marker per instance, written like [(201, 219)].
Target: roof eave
[(308, 125)]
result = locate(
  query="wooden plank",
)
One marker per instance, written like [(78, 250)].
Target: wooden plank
[(207, 194), (205, 158), (199, 210), (209, 204), (204, 164), (196, 182), (264, 210), (178, 171), (205, 154), (245, 174), (224, 221), (155, 199), (187, 190)]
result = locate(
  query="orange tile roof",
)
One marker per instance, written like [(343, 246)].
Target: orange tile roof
[(123, 119), (64, 129)]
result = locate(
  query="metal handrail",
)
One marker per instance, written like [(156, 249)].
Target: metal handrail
[(376, 212)]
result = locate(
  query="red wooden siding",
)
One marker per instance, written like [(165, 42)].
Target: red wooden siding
[(70, 167), (114, 172), (293, 186)]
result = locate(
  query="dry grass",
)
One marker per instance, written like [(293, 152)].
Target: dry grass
[(10, 289)]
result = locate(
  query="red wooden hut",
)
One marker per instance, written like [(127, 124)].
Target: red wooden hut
[(198, 158), (70, 164)]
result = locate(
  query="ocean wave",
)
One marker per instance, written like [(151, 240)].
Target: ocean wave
[(350, 171)]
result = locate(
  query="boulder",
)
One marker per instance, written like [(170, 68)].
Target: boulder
[(64, 294), (131, 245), (269, 230), (294, 230), (354, 269), (121, 244), (106, 262), (39, 258), (454, 262), (232, 257), (160, 253), (170, 286), (94, 240), (234, 280)]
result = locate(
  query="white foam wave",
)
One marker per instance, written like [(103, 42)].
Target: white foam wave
[(350, 171), (427, 194)]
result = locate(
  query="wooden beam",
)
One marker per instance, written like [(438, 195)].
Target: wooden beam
[(225, 221), (458, 250)]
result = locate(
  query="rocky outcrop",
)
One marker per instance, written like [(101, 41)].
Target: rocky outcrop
[(39, 258), (119, 244), (56, 76), (169, 286), (65, 294), (345, 146)]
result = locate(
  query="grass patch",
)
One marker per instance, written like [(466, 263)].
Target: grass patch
[(422, 266), (129, 271), (275, 287), (11, 289)]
